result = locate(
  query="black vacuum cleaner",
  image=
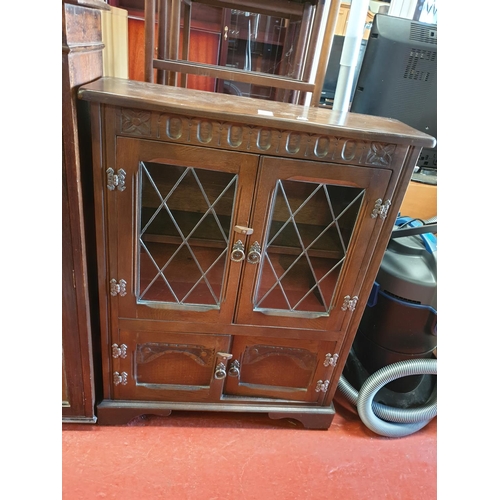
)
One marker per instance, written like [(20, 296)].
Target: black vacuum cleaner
[(392, 369)]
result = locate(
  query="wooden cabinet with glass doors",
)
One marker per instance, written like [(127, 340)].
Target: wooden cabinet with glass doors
[(237, 248)]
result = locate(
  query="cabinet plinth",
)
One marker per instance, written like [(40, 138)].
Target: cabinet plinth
[(238, 243)]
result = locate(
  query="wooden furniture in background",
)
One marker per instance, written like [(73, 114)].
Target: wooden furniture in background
[(211, 34), (206, 39), (294, 47), (81, 63), (343, 19), (238, 240), (420, 201)]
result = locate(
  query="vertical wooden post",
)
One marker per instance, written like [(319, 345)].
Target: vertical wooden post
[(149, 30)]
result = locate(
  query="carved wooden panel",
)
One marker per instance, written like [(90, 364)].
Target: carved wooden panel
[(167, 366), (253, 139), (171, 364), (279, 368)]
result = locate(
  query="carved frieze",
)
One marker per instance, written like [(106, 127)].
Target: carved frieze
[(254, 139), (305, 359), (136, 122), (146, 353), (381, 154)]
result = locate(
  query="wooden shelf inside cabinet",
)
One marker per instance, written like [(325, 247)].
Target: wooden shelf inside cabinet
[(241, 247)]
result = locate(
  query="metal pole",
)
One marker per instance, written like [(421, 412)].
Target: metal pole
[(350, 53)]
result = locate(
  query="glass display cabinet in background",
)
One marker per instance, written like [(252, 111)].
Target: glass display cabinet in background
[(247, 48), (260, 43)]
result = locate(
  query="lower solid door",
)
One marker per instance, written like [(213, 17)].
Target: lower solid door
[(280, 369), (158, 366)]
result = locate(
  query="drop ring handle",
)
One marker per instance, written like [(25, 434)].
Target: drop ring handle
[(220, 371), (238, 252), (234, 369), (254, 253)]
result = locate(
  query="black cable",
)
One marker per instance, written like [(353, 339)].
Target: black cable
[(410, 221)]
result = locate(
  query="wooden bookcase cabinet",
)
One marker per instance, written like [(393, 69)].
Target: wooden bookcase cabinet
[(237, 245), (81, 63)]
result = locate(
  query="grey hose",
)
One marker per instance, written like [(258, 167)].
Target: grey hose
[(385, 420)]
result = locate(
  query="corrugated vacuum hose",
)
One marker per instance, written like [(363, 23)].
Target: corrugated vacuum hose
[(386, 420)]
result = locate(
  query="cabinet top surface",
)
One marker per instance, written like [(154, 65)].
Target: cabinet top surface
[(163, 98)]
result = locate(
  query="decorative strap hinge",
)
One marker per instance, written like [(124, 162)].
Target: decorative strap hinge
[(381, 209), (331, 359), (119, 351), (322, 386), (120, 378), (349, 303), (116, 181), (119, 287)]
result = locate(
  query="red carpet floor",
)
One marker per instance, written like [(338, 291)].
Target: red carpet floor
[(219, 456)]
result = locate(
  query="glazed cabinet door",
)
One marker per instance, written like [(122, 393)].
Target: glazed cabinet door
[(261, 43), (171, 230), (280, 369), (313, 234), (147, 365)]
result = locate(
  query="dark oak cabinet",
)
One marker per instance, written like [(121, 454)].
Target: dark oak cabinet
[(81, 63), (237, 244)]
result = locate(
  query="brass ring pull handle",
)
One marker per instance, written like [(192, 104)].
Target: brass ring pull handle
[(238, 253), (220, 371), (234, 369), (254, 253)]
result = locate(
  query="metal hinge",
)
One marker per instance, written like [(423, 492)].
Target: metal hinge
[(322, 386), (349, 303), (381, 209), (120, 378), (116, 288), (116, 181), (119, 351), (331, 359)]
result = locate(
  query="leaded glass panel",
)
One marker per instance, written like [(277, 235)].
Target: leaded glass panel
[(306, 244), (184, 227)]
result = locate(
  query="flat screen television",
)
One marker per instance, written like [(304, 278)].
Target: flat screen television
[(398, 77)]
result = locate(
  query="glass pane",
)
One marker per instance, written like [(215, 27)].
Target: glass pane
[(261, 43), (246, 41), (306, 244), (185, 219)]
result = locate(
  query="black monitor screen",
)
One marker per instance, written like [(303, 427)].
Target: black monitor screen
[(333, 68), (398, 77)]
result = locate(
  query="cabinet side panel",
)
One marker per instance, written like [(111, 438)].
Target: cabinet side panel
[(81, 63), (395, 192)]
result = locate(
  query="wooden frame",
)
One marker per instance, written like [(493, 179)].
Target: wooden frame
[(81, 63), (171, 60)]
